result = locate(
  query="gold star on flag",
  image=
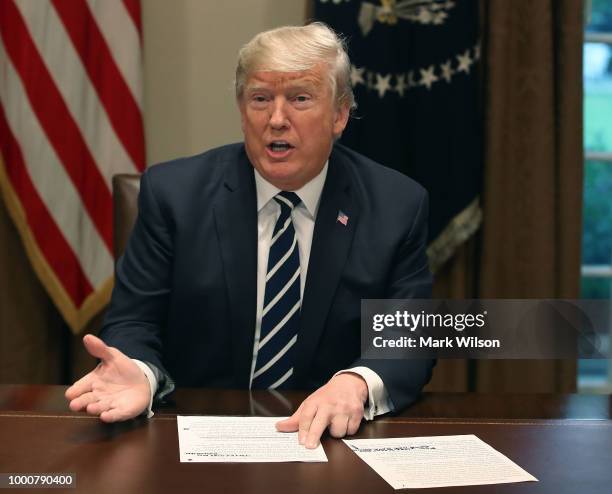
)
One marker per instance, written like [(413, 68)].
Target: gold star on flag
[(401, 85), (382, 84), (447, 71), (428, 77), (464, 62), (357, 75)]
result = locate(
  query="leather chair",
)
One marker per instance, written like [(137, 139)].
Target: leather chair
[(125, 209)]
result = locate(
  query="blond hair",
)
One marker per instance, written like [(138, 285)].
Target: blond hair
[(294, 49)]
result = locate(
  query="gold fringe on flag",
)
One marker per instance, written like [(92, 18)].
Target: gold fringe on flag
[(458, 230), (76, 317)]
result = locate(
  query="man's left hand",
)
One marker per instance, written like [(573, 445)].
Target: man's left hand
[(337, 405)]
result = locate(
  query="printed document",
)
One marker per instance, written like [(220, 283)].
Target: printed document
[(240, 439), (438, 461)]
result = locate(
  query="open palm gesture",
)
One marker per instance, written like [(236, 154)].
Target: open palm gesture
[(116, 389)]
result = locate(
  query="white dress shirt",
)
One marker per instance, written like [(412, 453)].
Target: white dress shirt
[(303, 217)]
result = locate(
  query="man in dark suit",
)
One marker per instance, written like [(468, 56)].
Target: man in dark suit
[(247, 263)]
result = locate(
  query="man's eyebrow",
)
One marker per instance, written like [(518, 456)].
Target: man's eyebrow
[(254, 88), (309, 83), (303, 85)]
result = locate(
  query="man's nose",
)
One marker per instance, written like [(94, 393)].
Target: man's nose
[(278, 117)]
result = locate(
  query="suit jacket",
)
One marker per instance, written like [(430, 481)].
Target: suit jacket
[(185, 289)]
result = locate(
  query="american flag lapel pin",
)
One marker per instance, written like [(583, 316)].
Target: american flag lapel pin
[(342, 218)]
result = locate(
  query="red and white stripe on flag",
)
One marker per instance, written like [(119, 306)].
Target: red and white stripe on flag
[(70, 119)]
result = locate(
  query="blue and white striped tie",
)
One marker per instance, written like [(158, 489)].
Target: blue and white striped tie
[(281, 308)]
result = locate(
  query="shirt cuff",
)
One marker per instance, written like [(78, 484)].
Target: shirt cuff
[(378, 398), (152, 383)]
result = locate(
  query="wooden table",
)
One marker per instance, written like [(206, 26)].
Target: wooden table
[(563, 440)]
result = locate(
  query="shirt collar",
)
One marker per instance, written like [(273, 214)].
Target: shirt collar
[(310, 194)]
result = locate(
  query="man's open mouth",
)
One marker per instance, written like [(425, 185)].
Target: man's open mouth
[(279, 146)]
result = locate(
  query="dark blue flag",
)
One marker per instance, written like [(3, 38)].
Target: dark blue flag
[(414, 73)]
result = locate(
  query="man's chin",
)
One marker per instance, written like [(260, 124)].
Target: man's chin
[(282, 175)]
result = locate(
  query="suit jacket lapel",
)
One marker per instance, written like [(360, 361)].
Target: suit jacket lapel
[(330, 247), (236, 222)]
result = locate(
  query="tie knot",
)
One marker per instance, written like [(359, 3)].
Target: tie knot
[(288, 199)]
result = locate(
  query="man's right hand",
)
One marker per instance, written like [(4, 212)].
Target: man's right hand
[(116, 389)]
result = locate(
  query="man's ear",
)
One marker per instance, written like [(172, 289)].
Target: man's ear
[(341, 119), (241, 109)]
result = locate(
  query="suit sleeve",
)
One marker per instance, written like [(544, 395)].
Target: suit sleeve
[(409, 278), (138, 311)]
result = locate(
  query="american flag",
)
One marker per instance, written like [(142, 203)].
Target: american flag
[(70, 118), (342, 218)]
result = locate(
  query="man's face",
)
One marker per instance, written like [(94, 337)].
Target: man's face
[(289, 123)]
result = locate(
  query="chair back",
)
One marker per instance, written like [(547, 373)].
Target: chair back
[(125, 209)]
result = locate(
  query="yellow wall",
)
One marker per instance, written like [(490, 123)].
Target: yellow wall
[(190, 49)]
